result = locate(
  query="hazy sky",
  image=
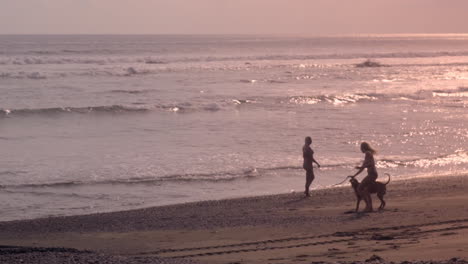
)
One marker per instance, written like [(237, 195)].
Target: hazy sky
[(310, 17)]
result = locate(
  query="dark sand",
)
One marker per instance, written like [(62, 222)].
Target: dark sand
[(425, 220)]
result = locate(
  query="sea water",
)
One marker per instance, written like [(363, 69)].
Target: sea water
[(106, 123)]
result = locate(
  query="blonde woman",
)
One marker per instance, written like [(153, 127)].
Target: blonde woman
[(369, 164)]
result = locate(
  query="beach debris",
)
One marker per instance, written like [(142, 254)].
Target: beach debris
[(131, 70), (443, 234), (344, 234), (154, 61), (381, 237), (375, 258), (369, 63)]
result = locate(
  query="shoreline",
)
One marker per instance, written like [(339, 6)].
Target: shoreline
[(293, 192), (425, 219)]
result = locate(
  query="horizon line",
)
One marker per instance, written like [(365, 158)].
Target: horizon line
[(247, 34)]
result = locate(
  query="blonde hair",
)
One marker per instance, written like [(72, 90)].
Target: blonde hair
[(366, 147)]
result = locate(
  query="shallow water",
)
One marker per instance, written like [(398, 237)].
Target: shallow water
[(106, 123)]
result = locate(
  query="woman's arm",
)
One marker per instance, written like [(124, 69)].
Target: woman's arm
[(365, 164), (313, 160), (360, 169)]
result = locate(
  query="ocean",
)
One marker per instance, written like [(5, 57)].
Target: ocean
[(92, 123)]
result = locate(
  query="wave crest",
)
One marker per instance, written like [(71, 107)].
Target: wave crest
[(81, 110), (49, 57), (333, 99), (460, 92)]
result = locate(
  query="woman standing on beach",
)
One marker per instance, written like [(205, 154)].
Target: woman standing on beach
[(369, 164), (308, 155)]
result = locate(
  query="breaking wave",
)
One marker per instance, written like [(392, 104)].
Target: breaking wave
[(333, 99), (211, 177), (81, 110), (120, 72), (351, 98), (374, 97), (327, 56), (235, 103), (460, 92), (457, 158), (39, 60), (210, 107), (131, 91), (186, 107), (43, 58)]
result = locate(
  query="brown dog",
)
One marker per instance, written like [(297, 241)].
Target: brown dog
[(379, 188)]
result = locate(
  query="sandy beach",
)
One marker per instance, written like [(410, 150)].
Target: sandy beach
[(425, 220)]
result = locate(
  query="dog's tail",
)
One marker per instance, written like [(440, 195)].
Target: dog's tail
[(388, 174)]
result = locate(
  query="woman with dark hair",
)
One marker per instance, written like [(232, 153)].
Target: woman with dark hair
[(308, 155), (369, 164)]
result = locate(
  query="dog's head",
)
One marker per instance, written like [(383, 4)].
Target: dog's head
[(354, 182)]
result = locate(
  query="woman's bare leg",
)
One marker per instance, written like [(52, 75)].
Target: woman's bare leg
[(309, 179), (369, 203)]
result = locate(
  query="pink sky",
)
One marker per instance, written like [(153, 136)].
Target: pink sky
[(305, 17)]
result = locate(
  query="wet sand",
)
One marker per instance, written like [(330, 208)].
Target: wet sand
[(424, 220)]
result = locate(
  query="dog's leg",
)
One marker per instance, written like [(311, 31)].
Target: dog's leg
[(382, 202), (357, 203), (369, 203)]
